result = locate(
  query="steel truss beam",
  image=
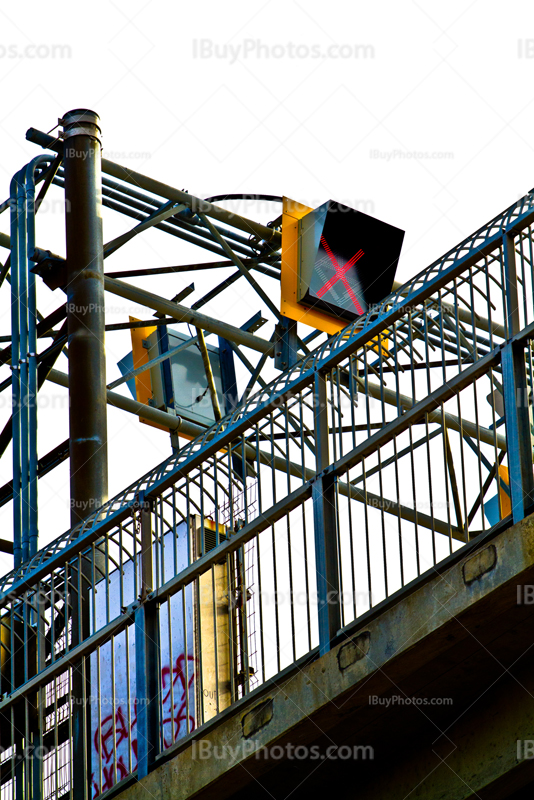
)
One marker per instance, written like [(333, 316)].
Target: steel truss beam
[(184, 314), (170, 421), (157, 188)]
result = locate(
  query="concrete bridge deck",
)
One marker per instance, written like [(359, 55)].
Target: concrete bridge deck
[(463, 643)]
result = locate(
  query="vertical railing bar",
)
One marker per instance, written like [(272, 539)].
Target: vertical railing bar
[(446, 473), (479, 460), (291, 595), (414, 496), (488, 303), (524, 286), (99, 727), (215, 638), (159, 543), (352, 552), (174, 536), (113, 707), (339, 411), (260, 610), (128, 691), (382, 520), (244, 622), (353, 400), (288, 470), (276, 605), (106, 573), (186, 655), (462, 462), (121, 571)]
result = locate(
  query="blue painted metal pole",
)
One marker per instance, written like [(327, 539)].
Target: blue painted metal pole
[(16, 213), (510, 284), (518, 435), (516, 402), (32, 364), (24, 363), (22, 427), (325, 525), (24, 369), (147, 656)]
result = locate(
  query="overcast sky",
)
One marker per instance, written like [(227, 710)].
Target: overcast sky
[(420, 113)]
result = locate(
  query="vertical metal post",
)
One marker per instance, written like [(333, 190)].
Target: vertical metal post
[(18, 243), (516, 412), (510, 285), (147, 667), (518, 435), (325, 525), (24, 363), (85, 312), (87, 388), (31, 397)]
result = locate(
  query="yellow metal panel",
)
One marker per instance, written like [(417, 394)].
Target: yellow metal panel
[(292, 212), (143, 383), (505, 504), (212, 629)]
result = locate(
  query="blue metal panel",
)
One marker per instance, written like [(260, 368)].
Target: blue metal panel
[(126, 365), (518, 435)]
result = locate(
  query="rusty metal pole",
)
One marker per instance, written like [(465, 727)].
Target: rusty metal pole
[(85, 313)]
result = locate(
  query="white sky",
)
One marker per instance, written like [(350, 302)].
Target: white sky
[(425, 122)]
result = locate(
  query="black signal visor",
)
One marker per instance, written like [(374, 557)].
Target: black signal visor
[(347, 260)]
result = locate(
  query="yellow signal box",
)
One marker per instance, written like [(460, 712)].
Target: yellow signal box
[(292, 213), (143, 381), (292, 216)]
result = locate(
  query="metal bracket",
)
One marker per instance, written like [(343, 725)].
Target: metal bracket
[(52, 269), (285, 344)]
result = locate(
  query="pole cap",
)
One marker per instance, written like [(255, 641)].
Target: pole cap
[(81, 122)]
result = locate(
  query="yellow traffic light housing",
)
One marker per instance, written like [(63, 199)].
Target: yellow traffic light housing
[(292, 213)]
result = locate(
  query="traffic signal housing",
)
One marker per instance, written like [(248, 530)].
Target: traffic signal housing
[(337, 263)]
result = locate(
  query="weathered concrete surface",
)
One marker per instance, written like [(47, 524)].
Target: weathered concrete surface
[(462, 636)]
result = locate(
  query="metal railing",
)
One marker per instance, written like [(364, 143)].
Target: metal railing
[(367, 465)]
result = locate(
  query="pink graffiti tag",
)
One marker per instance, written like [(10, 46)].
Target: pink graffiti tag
[(176, 715), (114, 729)]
